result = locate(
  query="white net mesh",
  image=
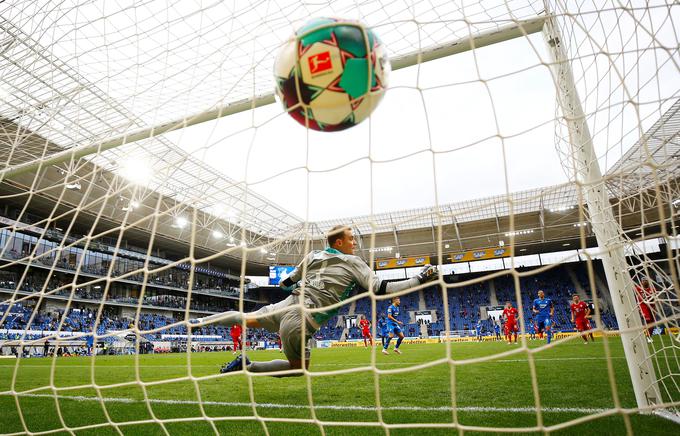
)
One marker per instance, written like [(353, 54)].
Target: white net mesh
[(120, 224)]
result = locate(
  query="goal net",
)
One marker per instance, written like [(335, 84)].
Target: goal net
[(148, 178)]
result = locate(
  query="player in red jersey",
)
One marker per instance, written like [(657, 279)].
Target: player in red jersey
[(365, 327), (644, 294), (579, 317), (510, 315), (236, 337)]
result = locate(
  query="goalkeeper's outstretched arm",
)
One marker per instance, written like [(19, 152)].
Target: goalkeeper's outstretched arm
[(367, 279), (341, 239)]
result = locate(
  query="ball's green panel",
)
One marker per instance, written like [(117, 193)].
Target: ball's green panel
[(315, 35), (351, 39), (355, 77)]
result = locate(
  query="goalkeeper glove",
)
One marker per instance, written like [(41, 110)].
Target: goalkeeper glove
[(428, 273)]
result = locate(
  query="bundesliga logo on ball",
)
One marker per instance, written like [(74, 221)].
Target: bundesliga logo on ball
[(331, 74)]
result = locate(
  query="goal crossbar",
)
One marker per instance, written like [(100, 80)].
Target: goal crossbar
[(507, 32)]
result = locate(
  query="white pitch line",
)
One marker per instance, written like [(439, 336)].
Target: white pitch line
[(547, 359), (322, 407), (101, 366)]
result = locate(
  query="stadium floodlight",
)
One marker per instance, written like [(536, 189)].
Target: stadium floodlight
[(263, 250), (520, 232), (136, 170), (131, 206), (397, 255), (217, 234), (181, 222), (562, 209), (73, 186)]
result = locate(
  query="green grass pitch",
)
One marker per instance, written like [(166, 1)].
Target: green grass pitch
[(572, 381)]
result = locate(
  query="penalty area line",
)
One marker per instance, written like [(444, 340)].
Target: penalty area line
[(80, 398), (539, 359), (102, 366)]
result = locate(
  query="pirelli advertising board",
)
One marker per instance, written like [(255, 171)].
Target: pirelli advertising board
[(403, 262), (487, 253)]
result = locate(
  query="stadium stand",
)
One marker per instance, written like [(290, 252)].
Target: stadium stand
[(216, 291)]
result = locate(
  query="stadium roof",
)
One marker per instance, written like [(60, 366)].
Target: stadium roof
[(653, 160), (67, 110)]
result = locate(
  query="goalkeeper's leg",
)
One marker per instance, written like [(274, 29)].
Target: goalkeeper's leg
[(297, 353), (266, 317)]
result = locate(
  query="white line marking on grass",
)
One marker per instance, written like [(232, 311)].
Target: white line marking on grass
[(547, 359), (81, 398), (101, 365)]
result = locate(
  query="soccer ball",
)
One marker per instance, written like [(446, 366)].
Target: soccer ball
[(322, 74)]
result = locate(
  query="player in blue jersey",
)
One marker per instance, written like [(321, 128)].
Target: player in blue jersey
[(393, 326), (497, 330), (478, 330), (89, 344), (543, 309), (531, 326), (382, 325)]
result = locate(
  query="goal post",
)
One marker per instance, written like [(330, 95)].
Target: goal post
[(607, 230)]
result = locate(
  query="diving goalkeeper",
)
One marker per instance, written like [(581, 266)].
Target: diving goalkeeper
[(330, 276)]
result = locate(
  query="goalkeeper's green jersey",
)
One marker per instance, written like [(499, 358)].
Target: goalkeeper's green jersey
[(330, 276)]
